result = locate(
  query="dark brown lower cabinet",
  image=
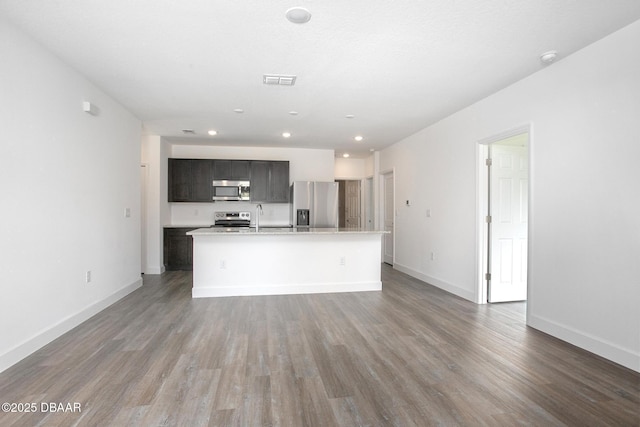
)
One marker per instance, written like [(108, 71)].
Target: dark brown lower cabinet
[(178, 249)]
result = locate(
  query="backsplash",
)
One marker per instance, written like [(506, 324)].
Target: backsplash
[(196, 214)]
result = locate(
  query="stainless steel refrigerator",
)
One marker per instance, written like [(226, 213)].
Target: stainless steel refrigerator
[(314, 204)]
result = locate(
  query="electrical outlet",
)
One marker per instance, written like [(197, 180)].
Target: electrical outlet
[(433, 256), (127, 212), (343, 260), (428, 213), (87, 276), (223, 264)]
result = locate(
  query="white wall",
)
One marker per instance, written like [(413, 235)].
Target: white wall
[(584, 274), (66, 178), (350, 169), (155, 152)]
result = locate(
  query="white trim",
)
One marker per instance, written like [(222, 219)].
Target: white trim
[(33, 344), (144, 207), (438, 283), (381, 207), (480, 296), (480, 292), (368, 200), (526, 128), (285, 289), (156, 269), (593, 344)]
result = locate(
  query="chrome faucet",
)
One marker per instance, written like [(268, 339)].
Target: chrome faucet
[(258, 213)]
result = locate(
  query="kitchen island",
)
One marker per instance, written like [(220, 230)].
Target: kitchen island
[(277, 261)]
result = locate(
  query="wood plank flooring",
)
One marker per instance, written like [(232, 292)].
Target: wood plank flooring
[(411, 355)]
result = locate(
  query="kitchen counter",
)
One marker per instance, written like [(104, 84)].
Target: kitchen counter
[(276, 261), (279, 230)]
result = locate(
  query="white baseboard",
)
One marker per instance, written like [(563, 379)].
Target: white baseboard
[(286, 289), (610, 351), (438, 283), (155, 269), (23, 350)]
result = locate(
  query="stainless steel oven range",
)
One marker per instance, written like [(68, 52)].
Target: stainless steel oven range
[(232, 219)]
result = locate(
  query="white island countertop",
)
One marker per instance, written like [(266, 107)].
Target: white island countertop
[(277, 261), (279, 230)]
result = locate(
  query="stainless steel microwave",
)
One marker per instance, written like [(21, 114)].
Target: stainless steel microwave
[(231, 190)]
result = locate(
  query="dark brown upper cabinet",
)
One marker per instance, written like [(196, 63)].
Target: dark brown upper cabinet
[(236, 170), (270, 181), (190, 180)]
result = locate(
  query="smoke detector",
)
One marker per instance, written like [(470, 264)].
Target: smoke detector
[(279, 79)]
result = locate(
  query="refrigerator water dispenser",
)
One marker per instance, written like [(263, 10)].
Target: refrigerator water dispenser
[(303, 218)]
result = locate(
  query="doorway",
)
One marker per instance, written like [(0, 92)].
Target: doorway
[(387, 219), (504, 217), (349, 204)]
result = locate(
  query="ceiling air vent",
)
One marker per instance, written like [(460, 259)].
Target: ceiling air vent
[(188, 131), (278, 79)]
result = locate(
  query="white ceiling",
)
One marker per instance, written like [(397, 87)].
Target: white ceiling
[(397, 67)]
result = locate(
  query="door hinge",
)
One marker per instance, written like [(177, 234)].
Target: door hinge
[(488, 162), (488, 219), (487, 276)]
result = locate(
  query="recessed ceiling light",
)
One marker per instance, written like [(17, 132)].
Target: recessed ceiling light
[(293, 113), (548, 57), (298, 15), (345, 155), (359, 138), (212, 132), (286, 134), (238, 110)]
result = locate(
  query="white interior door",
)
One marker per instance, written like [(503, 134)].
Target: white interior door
[(388, 212), (508, 238)]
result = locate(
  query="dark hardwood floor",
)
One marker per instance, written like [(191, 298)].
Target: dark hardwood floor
[(411, 355)]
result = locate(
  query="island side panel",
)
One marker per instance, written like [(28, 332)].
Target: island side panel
[(249, 264)]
